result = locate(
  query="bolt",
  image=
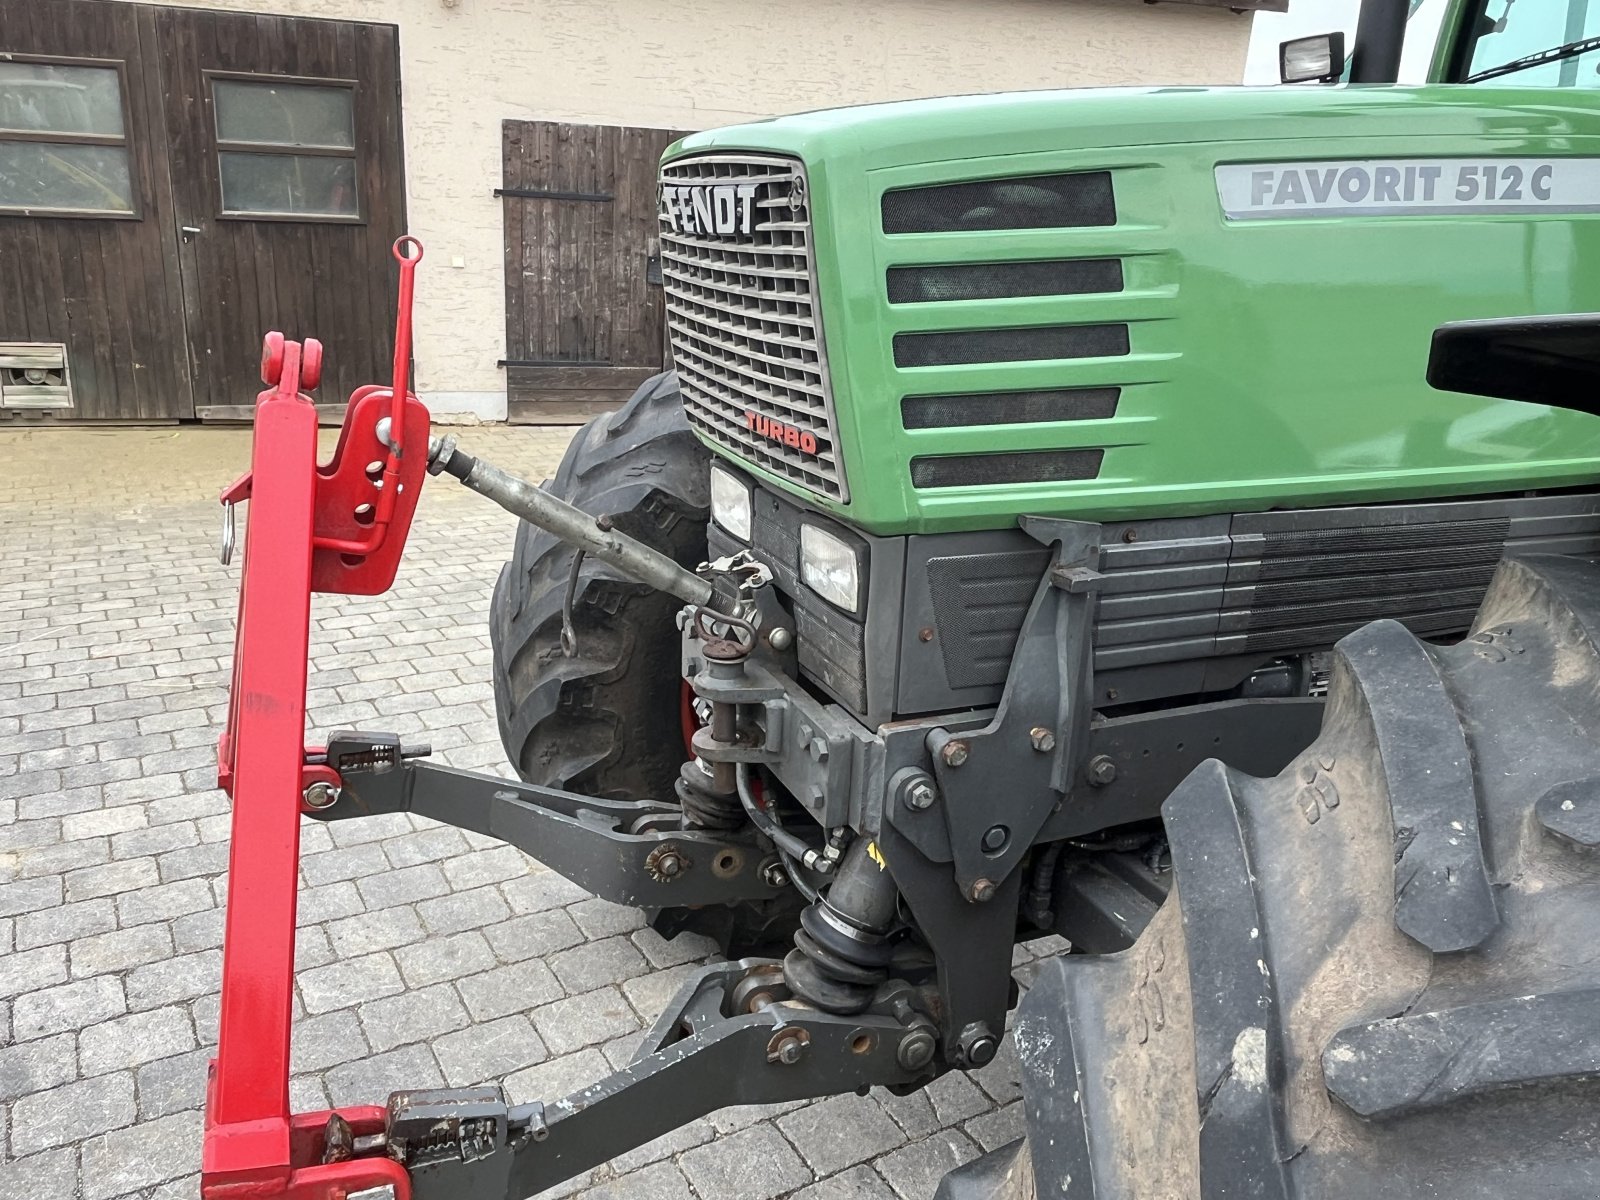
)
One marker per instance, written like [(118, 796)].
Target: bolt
[(774, 876), (954, 753), (1130, 535), (1101, 770), (920, 794), (978, 1045), (925, 634), (780, 638), (982, 891), (916, 1049), (669, 865), (995, 839), (819, 750), (1043, 740), (321, 795)]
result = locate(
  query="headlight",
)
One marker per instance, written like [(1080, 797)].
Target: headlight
[(829, 567), (730, 503)]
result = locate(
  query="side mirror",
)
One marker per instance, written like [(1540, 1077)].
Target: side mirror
[(1543, 360), (1318, 59)]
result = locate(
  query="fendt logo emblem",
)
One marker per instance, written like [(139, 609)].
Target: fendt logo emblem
[(710, 209), (777, 431)]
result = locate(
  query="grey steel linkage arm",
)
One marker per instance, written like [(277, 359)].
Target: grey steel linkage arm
[(628, 852), (572, 525), (731, 1036)]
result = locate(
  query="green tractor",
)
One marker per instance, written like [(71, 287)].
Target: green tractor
[(1072, 502)]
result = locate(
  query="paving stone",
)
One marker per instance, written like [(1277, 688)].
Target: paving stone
[(65, 923), (517, 988), (103, 822), (424, 846), (134, 1040), (914, 1171), (840, 1132), (41, 1176), (353, 862), (198, 931), (403, 887), (596, 964), (443, 958), (534, 935), (370, 932), (68, 1006), (174, 979), (463, 910), (412, 1016), (753, 1164), (660, 1181), (601, 918), (484, 1053), (192, 862), (112, 879), (584, 1020), (370, 829), (650, 994), (172, 1085), (485, 867), (328, 903), (326, 1041), (664, 952), (537, 891), (370, 1080), (158, 840), (557, 1077), (71, 1113), (1001, 1125), (147, 1154), (120, 949), (30, 970), (37, 1066), (164, 902), (858, 1183), (30, 895), (341, 984), (64, 857)]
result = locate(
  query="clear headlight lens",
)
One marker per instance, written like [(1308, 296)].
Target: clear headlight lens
[(730, 503), (829, 567)]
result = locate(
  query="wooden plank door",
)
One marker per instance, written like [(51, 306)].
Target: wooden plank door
[(584, 321), (88, 231), (289, 188)]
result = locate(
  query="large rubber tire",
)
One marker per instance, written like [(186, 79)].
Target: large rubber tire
[(1379, 974), (607, 722)]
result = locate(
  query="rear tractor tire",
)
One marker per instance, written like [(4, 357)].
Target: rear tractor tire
[(608, 720), (1378, 975)]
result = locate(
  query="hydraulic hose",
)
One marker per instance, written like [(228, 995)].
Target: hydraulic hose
[(791, 848)]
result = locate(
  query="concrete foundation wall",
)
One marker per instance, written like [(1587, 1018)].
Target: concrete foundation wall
[(466, 65)]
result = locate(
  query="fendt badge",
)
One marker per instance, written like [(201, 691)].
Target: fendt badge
[(776, 431), (710, 209)]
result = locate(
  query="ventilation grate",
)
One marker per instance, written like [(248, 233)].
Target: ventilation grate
[(1033, 202), (1009, 408), (956, 347), (1002, 281), (1017, 466)]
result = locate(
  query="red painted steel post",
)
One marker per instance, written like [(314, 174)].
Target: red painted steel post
[(249, 1103)]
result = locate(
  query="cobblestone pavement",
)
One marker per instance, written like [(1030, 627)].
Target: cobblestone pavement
[(426, 956)]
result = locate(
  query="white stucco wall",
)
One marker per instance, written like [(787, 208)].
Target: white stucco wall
[(466, 65)]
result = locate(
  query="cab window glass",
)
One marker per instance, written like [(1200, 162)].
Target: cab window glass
[(1508, 31)]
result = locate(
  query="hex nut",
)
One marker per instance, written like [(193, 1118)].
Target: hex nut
[(982, 891), (920, 794), (978, 1045), (1042, 739), (954, 753), (916, 1048), (1101, 770)]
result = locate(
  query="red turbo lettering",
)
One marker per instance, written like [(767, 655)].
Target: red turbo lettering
[(777, 431)]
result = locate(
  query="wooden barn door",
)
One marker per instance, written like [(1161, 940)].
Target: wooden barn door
[(584, 322), (173, 183)]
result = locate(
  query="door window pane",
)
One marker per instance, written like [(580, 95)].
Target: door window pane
[(289, 184), (1515, 31), (74, 178), (56, 98), (285, 114)]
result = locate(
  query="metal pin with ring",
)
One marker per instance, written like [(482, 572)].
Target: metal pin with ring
[(225, 551)]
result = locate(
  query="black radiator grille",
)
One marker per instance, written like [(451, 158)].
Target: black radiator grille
[(955, 347), (1012, 466), (1066, 201), (1009, 408), (1004, 280)]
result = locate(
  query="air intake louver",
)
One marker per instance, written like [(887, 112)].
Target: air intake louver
[(1009, 408), (1016, 466), (1033, 202), (1000, 281), (955, 347)]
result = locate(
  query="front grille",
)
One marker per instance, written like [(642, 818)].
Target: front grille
[(742, 313)]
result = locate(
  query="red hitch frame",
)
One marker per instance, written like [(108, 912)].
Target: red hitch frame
[(338, 527)]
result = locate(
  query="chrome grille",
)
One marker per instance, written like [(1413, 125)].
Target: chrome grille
[(742, 315)]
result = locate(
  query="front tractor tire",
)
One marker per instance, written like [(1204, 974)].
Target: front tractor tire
[(1378, 975), (607, 721)]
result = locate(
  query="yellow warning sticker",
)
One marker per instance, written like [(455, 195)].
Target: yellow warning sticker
[(876, 855)]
